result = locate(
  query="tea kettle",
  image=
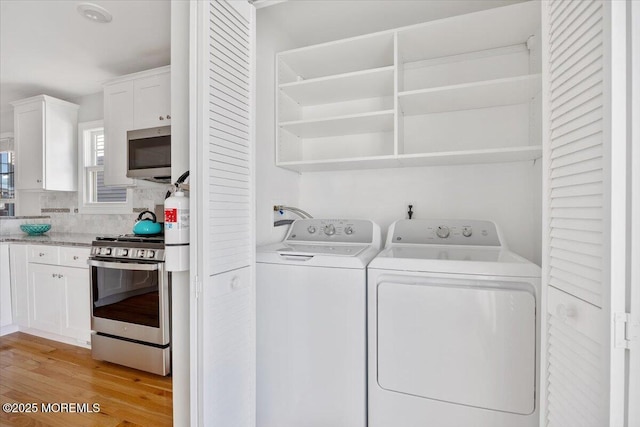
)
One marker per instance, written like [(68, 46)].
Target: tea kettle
[(147, 226)]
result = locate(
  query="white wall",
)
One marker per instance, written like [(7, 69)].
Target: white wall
[(504, 193), (91, 107), (273, 185), (6, 121)]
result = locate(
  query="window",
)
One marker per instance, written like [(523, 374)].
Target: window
[(93, 195), (7, 176)]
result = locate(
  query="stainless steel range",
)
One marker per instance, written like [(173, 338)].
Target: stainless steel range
[(130, 310)]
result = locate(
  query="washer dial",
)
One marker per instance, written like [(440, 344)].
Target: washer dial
[(442, 231), (330, 230)]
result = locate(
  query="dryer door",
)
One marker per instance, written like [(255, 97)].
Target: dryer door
[(470, 342)]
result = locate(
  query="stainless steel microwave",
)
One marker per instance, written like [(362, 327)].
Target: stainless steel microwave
[(149, 154)]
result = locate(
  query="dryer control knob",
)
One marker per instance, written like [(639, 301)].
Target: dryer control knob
[(330, 230), (442, 231), (466, 232), (311, 229), (348, 230)]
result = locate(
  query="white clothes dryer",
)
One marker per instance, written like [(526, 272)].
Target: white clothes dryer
[(311, 324), (453, 328)]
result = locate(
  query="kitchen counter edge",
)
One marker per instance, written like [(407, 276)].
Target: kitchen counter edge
[(57, 239)]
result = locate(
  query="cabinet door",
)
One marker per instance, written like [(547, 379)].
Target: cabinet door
[(6, 317), (29, 134), (585, 259), (19, 284), (45, 292), (152, 101), (118, 119), (226, 311), (76, 313)]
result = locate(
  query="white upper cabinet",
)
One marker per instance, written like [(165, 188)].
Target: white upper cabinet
[(45, 144), (118, 119), (399, 97), (152, 101), (135, 101)]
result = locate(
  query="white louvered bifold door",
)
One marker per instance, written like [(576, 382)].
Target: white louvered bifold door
[(223, 334), (584, 242)]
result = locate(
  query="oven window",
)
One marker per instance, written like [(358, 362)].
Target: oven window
[(129, 296), (148, 153)]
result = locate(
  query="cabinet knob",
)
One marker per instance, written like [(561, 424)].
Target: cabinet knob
[(60, 276), (53, 275), (41, 254), (160, 118), (75, 257), (168, 116), (38, 180)]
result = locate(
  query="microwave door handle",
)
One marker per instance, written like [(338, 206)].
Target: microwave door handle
[(123, 265)]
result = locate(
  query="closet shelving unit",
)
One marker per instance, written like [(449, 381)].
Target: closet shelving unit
[(460, 90)]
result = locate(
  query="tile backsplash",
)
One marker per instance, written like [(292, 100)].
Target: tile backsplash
[(62, 207)]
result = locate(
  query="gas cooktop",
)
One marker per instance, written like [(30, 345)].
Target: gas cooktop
[(155, 238)]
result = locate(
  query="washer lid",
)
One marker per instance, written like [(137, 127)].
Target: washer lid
[(486, 260), (317, 255)]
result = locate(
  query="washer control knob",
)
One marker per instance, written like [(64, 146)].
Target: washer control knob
[(311, 229), (467, 232), (330, 230), (348, 230), (442, 231)]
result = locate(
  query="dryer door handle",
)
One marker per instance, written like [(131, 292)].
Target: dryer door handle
[(291, 257)]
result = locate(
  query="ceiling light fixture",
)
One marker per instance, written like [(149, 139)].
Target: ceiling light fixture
[(94, 13)]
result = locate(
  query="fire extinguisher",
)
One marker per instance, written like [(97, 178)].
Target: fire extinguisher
[(176, 230)]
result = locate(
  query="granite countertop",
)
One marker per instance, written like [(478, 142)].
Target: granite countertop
[(61, 239)]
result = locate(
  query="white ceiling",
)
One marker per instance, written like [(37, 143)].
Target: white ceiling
[(46, 47)]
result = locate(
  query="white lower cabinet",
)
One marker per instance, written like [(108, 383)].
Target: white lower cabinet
[(51, 292), (6, 317), (18, 264), (45, 298), (76, 311)]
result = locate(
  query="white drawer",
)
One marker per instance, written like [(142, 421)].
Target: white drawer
[(44, 254), (73, 256), (577, 314)]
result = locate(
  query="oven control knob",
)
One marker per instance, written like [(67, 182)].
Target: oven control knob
[(141, 253), (330, 230), (348, 230), (125, 252), (151, 254), (106, 251), (311, 229), (442, 231), (467, 232)]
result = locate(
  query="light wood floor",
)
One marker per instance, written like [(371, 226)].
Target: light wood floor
[(36, 370)]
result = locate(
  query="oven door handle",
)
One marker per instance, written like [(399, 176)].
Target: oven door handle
[(123, 265)]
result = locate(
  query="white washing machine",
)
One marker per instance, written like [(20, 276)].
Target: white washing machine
[(453, 328), (311, 324)]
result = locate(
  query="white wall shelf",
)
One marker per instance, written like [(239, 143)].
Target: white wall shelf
[(342, 87), (400, 97), (329, 59), (497, 155), (379, 121), (473, 32), (469, 96)]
